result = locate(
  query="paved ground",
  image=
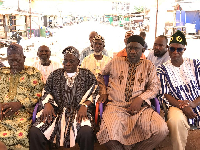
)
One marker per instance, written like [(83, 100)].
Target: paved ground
[(192, 144)]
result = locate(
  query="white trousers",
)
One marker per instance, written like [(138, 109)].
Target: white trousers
[(178, 128)]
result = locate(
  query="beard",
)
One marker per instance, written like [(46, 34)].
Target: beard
[(97, 53)]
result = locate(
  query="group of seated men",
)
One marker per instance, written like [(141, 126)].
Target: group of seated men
[(66, 95)]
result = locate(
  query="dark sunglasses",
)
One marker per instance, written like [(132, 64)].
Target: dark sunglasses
[(172, 49)]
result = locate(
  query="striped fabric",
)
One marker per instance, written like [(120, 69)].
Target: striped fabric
[(181, 82), (117, 124)]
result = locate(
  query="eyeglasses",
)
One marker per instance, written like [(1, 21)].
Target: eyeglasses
[(172, 49)]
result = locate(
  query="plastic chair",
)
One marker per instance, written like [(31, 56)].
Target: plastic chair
[(99, 107)]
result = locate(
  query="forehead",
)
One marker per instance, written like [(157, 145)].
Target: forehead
[(70, 56), (14, 55), (176, 45), (134, 44), (160, 40), (98, 41), (43, 48), (128, 35), (93, 34)]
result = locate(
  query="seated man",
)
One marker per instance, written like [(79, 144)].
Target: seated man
[(89, 50), (180, 90), (45, 65), (128, 120), (123, 52), (97, 61), (21, 87), (160, 53), (65, 110)]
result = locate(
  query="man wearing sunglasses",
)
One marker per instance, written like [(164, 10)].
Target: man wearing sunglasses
[(180, 90), (159, 54)]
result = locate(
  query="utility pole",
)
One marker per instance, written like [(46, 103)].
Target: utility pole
[(30, 16), (156, 19)]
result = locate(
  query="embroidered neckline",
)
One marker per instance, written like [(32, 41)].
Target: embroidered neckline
[(70, 80)]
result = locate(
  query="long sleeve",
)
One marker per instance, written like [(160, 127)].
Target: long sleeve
[(153, 84)]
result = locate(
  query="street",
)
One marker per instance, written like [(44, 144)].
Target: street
[(77, 35)]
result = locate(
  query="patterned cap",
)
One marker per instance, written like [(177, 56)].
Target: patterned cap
[(71, 50), (14, 48), (129, 33), (179, 38), (99, 37)]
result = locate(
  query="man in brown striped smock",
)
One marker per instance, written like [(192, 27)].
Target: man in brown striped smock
[(128, 120)]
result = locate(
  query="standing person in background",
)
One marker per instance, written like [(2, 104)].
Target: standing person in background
[(123, 52), (160, 53), (45, 65), (97, 61), (89, 50), (143, 35)]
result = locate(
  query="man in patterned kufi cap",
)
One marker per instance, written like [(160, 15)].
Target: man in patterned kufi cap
[(97, 61), (180, 91), (67, 106)]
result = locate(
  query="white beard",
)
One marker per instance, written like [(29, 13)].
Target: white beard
[(95, 53)]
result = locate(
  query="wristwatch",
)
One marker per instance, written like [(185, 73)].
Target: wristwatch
[(85, 105)]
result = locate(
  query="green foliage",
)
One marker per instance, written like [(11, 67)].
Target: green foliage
[(139, 9)]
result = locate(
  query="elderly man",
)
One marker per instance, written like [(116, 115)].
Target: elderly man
[(45, 65), (160, 53), (21, 87), (123, 52), (97, 61), (180, 90), (89, 50), (65, 112), (128, 120)]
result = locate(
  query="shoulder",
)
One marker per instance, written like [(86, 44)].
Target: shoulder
[(84, 71), (85, 49), (4, 70), (150, 55), (162, 69)]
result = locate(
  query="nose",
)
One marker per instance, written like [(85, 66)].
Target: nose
[(132, 51), (175, 52)]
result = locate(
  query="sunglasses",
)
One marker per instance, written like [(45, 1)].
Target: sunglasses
[(172, 49)]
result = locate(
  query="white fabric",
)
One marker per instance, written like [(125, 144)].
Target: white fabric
[(46, 70)]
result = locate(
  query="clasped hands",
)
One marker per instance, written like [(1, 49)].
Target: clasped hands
[(8, 109), (186, 106)]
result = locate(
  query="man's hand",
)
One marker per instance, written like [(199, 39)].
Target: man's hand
[(135, 106), (10, 108), (185, 103), (103, 98), (48, 112), (189, 112), (82, 114)]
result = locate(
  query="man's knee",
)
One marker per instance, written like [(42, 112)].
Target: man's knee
[(86, 132), (34, 132), (160, 127), (176, 118), (2, 146)]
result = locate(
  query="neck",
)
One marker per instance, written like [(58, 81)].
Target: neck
[(46, 62), (98, 57), (14, 71), (177, 63)]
